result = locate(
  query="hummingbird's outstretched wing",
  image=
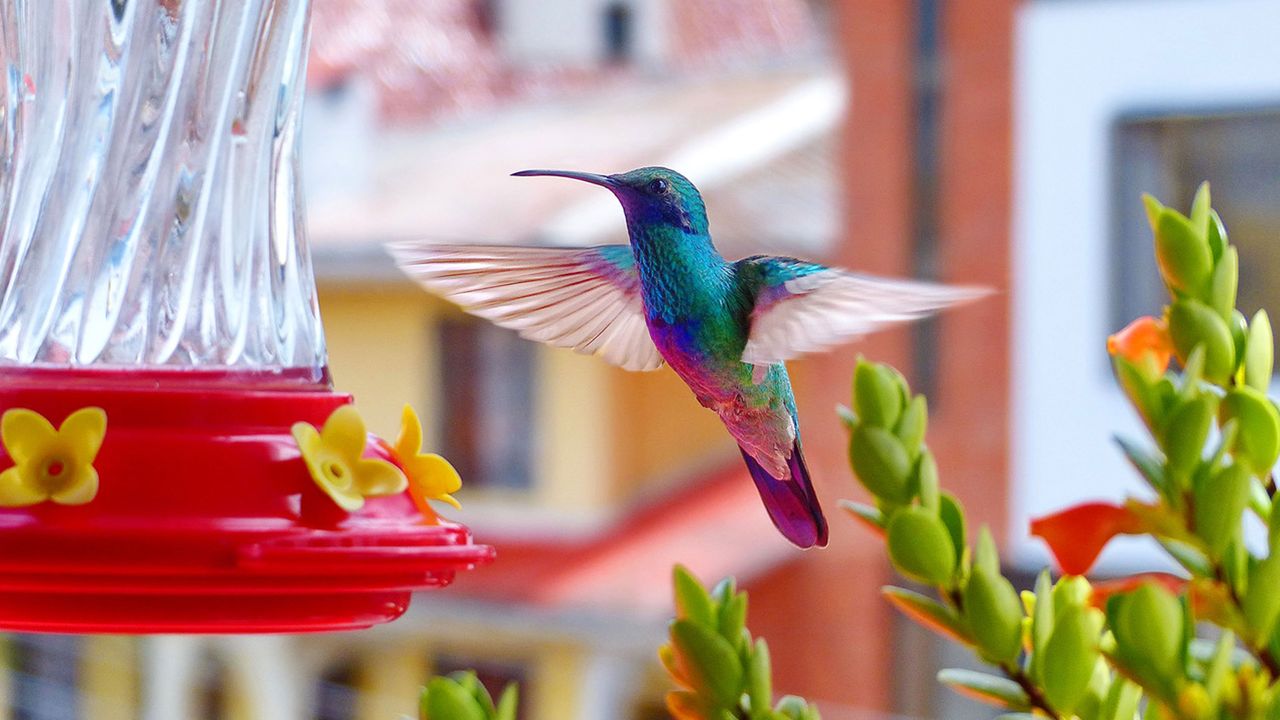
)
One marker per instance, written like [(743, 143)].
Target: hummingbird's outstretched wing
[(587, 299), (801, 306)]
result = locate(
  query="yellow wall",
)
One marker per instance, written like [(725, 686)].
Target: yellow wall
[(602, 433), (381, 351)]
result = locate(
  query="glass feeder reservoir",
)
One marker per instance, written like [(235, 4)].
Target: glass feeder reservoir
[(172, 458)]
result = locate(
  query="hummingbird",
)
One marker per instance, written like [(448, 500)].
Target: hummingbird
[(669, 298)]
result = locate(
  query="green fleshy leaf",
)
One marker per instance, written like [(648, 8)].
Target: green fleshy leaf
[(1070, 657), (928, 612), (1200, 209), (881, 463), (1041, 622), (710, 663), (1149, 465), (1220, 502), (733, 619), (866, 514), (1261, 602), (508, 703), (1222, 289), (1192, 324), (951, 512), (760, 679), (913, 424), (1000, 692), (692, 601), (1182, 253), (926, 481), (1122, 701), (446, 699), (1257, 427), (920, 546), (994, 615), (877, 394), (1153, 208), (1259, 353), (1184, 435)]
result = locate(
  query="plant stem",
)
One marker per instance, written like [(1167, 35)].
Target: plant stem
[(1034, 695)]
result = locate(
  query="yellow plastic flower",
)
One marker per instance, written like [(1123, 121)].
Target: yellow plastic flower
[(431, 477), (333, 456), (51, 464)]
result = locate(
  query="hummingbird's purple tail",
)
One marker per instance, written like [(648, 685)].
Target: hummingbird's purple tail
[(792, 504)]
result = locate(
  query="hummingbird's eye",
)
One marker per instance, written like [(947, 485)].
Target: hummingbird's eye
[(658, 186)]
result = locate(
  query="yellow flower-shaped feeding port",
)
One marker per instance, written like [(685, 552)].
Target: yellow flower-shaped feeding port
[(431, 477), (333, 456), (51, 464)]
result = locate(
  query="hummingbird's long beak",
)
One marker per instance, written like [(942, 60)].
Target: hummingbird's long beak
[(594, 179)]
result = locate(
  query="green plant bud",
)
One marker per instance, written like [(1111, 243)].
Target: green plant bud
[(1259, 353), (912, 424), (926, 481), (733, 619), (920, 546), (760, 679), (994, 615), (709, 662), (1257, 439), (692, 601), (1070, 657), (952, 515), (508, 703), (1220, 500), (446, 699), (1148, 628), (998, 691), (877, 394), (1192, 323), (1226, 278), (1262, 601), (881, 463), (1183, 253), (1185, 433), (1071, 591)]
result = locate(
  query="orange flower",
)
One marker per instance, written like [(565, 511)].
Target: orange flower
[(1077, 535), (1144, 342)]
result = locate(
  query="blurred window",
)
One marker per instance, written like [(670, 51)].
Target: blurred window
[(210, 686), (494, 675), (336, 691), (618, 32), (1168, 156), (487, 415), (44, 676)]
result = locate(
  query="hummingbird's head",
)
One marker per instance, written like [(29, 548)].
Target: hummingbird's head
[(649, 195)]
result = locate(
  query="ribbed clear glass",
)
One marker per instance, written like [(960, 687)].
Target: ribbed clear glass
[(150, 212)]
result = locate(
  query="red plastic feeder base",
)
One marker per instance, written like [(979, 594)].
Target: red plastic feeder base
[(206, 519)]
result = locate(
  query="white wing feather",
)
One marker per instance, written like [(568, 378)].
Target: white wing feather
[(814, 312), (566, 297)]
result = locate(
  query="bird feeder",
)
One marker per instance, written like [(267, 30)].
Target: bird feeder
[(174, 456)]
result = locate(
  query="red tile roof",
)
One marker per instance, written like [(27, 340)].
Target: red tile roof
[(437, 59), (716, 528)]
